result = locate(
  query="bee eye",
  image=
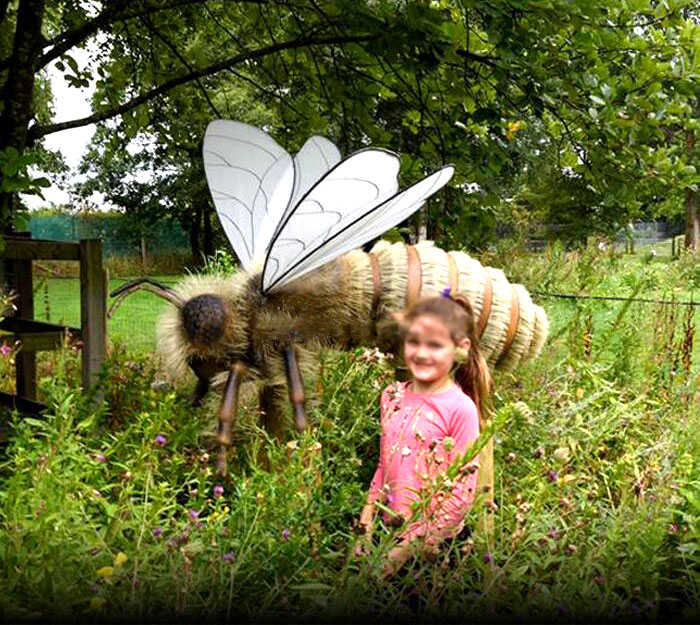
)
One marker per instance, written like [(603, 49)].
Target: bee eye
[(204, 319)]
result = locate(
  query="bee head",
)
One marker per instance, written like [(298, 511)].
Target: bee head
[(204, 319), (209, 322)]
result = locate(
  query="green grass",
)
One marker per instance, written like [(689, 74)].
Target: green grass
[(597, 486), (58, 300)]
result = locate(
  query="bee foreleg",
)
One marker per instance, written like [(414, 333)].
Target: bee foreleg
[(295, 387), (228, 413)]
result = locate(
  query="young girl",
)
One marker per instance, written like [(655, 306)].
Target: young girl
[(427, 423)]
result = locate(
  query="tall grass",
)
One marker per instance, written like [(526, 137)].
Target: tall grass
[(114, 512)]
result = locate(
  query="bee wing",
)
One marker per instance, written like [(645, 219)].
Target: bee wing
[(367, 225), (347, 190), (315, 158), (251, 179)]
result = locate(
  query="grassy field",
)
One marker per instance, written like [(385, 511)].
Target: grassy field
[(58, 300), (115, 514)]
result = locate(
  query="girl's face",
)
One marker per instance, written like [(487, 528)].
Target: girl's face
[(429, 352)]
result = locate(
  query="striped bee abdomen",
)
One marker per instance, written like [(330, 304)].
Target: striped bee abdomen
[(511, 327)]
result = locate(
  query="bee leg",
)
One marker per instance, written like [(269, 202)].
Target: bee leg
[(228, 413), (295, 386), (273, 404), (200, 391)]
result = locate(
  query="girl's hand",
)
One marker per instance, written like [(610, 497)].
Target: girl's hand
[(395, 559), (365, 524)]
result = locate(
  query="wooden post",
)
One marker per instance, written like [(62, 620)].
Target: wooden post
[(23, 285), (93, 309), (485, 484)]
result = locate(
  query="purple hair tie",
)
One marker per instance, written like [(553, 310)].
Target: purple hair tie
[(446, 292)]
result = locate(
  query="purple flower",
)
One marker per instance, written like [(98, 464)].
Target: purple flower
[(94, 551), (194, 515), (552, 475), (157, 531), (553, 534), (5, 350), (228, 557), (446, 292), (285, 534), (100, 458), (488, 558), (160, 440), (218, 491)]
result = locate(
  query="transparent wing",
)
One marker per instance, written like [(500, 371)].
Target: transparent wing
[(347, 191), (371, 223), (251, 179)]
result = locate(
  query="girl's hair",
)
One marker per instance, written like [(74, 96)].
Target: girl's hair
[(456, 312)]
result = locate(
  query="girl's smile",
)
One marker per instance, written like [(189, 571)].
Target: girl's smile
[(429, 352)]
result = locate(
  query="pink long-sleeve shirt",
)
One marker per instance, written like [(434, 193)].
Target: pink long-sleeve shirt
[(422, 434)]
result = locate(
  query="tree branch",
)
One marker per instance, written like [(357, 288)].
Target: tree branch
[(41, 131), (115, 12)]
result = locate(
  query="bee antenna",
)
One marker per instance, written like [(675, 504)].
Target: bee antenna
[(143, 284)]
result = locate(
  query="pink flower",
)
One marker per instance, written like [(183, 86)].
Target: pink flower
[(160, 440), (5, 350), (285, 534), (218, 491)]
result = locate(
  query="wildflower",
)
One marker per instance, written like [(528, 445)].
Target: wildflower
[(552, 475), (553, 533), (285, 534), (488, 558), (571, 549), (292, 445), (105, 572), (5, 350), (511, 457), (565, 503), (599, 579), (561, 454), (538, 453), (160, 440), (218, 491), (157, 531), (673, 528), (101, 458), (228, 557), (94, 551), (120, 558), (316, 447), (194, 515)]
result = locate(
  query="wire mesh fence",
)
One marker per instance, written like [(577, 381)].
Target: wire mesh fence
[(57, 299)]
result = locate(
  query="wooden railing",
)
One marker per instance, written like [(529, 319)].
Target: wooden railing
[(18, 253)]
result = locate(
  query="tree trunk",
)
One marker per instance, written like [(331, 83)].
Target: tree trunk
[(17, 96), (692, 216), (422, 224), (208, 240), (195, 228)]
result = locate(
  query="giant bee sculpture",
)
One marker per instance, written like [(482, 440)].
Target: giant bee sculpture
[(295, 224)]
